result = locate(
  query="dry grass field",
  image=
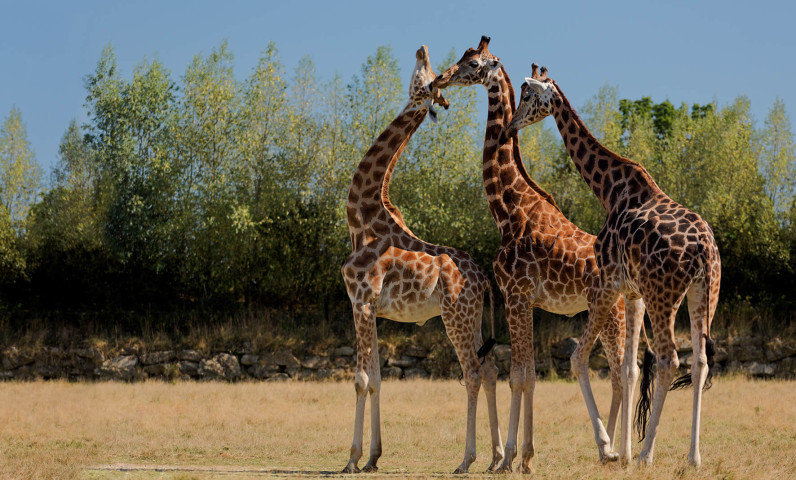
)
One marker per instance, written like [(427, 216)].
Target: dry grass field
[(261, 430)]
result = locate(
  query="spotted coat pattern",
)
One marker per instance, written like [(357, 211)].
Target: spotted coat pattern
[(544, 260), (650, 247), (393, 274)]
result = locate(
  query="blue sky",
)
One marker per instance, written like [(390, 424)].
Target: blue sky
[(684, 51)]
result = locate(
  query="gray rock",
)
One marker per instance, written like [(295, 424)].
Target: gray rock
[(278, 377), (340, 374), (163, 356), (686, 360), (211, 369), (760, 369), (564, 348), (122, 367), (413, 351), (746, 349), (261, 370), (314, 362), (721, 355), (786, 368), (598, 361), (247, 359), (343, 351), (684, 346), (15, 358), (157, 370), (230, 365), (189, 368), (189, 355), (777, 349), (391, 372), (502, 353), (285, 358), (404, 361), (415, 373), (92, 353)]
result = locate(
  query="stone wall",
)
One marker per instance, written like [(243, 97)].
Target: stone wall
[(755, 357)]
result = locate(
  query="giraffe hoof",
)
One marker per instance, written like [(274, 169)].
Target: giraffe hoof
[(459, 471), (370, 468), (526, 469), (609, 457), (505, 468), (350, 469)]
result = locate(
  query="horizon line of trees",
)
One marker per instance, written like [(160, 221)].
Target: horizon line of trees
[(207, 191)]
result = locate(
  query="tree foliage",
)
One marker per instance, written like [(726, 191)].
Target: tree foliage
[(214, 190)]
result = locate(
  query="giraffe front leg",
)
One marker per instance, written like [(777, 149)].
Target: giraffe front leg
[(365, 325), (521, 331), (600, 310)]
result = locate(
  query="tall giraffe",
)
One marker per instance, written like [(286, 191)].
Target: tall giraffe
[(393, 274), (650, 247), (544, 261)]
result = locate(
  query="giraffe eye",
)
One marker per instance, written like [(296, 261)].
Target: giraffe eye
[(474, 64)]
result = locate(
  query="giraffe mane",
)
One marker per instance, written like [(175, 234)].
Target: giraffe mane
[(607, 151), (516, 151)]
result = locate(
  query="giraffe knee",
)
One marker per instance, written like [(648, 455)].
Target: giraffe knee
[(579, 363), (361, 382), (668, 362), (630, 370)]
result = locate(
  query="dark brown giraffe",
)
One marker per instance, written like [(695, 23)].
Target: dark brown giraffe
[(393, 274), (544, 261), (650, 247)]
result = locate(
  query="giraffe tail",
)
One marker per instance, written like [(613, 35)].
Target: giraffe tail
[(647, 387), (490, 343)]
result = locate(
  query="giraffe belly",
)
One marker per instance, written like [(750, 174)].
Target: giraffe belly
[(568, 307), (551, 299), (400, 307)]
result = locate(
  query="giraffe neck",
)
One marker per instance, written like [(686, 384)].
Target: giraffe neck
[(613, 178), (368, 196), (513, 197)]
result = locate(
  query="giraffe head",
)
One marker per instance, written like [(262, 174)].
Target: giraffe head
[(536, 102), (421, 92), (477, 66)]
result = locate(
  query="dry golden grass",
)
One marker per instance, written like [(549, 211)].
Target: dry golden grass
[(62, 430)]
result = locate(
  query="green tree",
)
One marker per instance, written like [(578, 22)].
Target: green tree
[(20, 176), (776, 156)]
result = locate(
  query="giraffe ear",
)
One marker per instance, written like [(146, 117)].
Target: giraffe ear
[(495, 64), (431, 112), (536, 85)]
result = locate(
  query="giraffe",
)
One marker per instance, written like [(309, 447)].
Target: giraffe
[(650, 247), (393, 274), (544, 261)]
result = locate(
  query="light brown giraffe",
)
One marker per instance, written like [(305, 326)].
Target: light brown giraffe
[(393, 274), (544, 261), (650, 247)]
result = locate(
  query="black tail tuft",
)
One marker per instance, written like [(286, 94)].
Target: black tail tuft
[(486, 348), (646, 393), (684, 381), (710, 351)]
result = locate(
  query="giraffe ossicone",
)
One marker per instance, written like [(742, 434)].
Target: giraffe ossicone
[(649, 248), (544, 261), (391, 273)]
